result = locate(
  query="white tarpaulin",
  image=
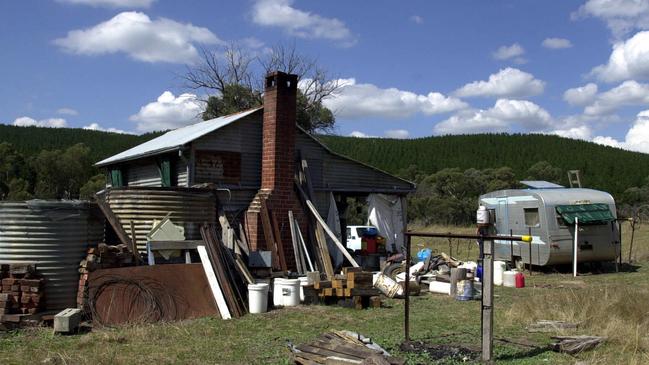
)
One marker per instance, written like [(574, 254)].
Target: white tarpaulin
[(386, 214), (333, 221)]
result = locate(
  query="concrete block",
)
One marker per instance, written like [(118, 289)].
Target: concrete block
[(67, 321)]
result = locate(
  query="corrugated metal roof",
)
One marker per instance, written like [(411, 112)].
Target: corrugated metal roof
[(540, 184), (175, 139)]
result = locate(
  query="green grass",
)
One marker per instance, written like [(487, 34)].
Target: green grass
[(610, 304)]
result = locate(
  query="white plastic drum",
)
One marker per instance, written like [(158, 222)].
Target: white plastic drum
[(286, 292), (499, 269), (258, 298)]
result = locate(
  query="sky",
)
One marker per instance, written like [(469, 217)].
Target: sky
[(409, 69)]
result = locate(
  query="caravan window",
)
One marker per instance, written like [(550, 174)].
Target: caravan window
[(531, 217)]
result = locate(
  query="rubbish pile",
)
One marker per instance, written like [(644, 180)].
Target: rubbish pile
[(342, 347)]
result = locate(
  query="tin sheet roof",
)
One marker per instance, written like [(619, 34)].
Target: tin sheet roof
[(175, 139)]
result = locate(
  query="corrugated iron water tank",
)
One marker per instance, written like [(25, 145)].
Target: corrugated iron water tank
[(54, 235), (187, 207)]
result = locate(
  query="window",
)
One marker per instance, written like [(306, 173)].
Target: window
[(165, 172), (349, 233), (361, 231), (116, 178), (531, 217)]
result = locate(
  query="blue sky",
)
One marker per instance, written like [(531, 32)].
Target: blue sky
[(579, 69)]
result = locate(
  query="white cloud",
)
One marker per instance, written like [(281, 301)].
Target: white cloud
[(628, 93), (621, 16), (168, 112), (582, 95), (67, 111), (359, 134), (397, 133), (111, 3), (556, 43), (505, 114), (354, 100), (583, 132), (417, 19), (50, 122), (629, 60), (299, 23), (508, 82), (636, 139), (134, 33), (97, 127), (514, 51)]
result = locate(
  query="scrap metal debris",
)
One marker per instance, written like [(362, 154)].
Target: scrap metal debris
[(342, 347)]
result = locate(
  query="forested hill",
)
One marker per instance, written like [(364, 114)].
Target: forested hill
[(602, 167), (31, 140)]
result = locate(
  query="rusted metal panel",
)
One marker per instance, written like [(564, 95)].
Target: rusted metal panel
[(189, 208), (147, 294), (55, 236)]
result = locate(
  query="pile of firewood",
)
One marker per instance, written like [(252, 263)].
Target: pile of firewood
[(352, 289)]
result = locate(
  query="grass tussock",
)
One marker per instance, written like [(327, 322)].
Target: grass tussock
[(617, 312)]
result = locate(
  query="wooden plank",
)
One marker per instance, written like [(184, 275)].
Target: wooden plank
[(244, 270), (337, 284), (214, 283), (113, 221), (333, 237), (306, 252), (324, 251), (278, 242), (133, 246), (299, 259), (268, 234), (325, 352), (244, 240)]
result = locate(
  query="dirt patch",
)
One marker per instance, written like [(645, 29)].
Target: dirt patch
[(441, 351)]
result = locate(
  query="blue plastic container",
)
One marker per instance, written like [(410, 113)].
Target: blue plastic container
[(424, 254)]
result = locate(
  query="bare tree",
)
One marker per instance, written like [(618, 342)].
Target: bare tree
[(233, 78)]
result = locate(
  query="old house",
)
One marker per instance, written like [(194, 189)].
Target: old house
[(249, 156)]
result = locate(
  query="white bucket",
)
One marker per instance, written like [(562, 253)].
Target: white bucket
[(304, 281), (499, 268), (286, 292), (439, 287), (258, 298), (509, 279)]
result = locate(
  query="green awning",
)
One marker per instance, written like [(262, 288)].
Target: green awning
[(585, 213)]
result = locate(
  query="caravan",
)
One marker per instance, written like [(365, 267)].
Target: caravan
[(548, 212)]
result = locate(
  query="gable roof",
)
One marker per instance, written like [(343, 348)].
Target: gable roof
[(175, 139)]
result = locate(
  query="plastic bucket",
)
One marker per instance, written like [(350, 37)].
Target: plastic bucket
[(464, 290), (258, 298), (304, 281), (509, 279), (286, 292), (520, 280)]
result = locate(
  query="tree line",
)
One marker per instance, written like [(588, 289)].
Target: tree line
[(50, 174)]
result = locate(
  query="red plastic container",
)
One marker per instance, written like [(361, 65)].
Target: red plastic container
[(520, 280), (369, 244)]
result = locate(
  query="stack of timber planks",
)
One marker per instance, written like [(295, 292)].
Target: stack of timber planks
[(342, 348), (232, 277), (353, 289)]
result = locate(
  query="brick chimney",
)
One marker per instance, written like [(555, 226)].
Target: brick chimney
[(278, 163)]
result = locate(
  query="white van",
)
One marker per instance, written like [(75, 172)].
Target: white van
[(354, 236)]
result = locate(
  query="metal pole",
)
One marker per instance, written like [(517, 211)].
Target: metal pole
[(575, 248), (511, 247), (406, 325), (631, 243), (529, 230), (487, 300)]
